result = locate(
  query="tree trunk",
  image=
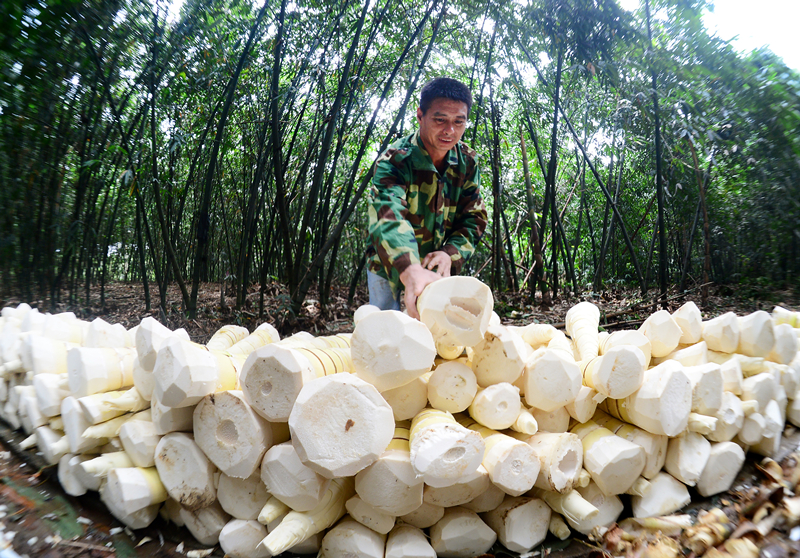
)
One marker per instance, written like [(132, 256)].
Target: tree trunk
[(201, 255), (663, 260)]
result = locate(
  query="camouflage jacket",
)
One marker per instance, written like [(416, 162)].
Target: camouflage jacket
[(413, 210)]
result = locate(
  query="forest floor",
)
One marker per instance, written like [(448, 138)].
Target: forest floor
[(621, 308), (38, 519)]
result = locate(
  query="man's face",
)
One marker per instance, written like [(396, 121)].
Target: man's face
[(442, 126)]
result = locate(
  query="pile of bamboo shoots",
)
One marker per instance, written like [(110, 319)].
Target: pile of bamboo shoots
[(406, 438)]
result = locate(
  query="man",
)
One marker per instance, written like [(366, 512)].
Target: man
[(426, 214)]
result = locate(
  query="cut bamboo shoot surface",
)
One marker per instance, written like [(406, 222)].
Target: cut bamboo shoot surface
[(496, 406), (389, 349), (613, 462), (443, 451), (512, 465), (273, 375), (617, 373), (725, 459), (185, 373), (340, 411), (231, 434), (756, 334), (665, 495), (368, 516), (452, 387), (687, 457), (499, 357), (424, 516), (408, 400), (663, 403), (185, 471), (242, 498), (560, 459), (550, 380), (627, 337)]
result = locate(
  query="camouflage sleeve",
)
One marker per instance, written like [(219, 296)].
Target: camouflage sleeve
[(391, 234), (469, 224)]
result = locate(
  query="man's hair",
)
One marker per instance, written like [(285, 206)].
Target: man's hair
[(444, 88)]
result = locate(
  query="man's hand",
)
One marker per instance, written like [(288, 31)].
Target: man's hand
[(440, 261), (415, 278)]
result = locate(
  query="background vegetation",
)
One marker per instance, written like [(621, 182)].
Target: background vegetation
[(230, 141)]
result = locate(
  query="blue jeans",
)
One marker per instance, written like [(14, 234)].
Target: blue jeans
[(380, 293)]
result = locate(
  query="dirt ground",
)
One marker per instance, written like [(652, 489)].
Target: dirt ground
[(38, 519), (621, 308)]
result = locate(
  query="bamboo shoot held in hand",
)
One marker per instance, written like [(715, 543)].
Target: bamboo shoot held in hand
[(456, 310)]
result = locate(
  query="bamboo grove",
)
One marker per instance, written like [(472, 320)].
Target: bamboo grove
[(229, 141)]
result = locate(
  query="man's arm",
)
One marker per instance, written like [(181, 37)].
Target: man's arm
[(390, 233), (469, 223)]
